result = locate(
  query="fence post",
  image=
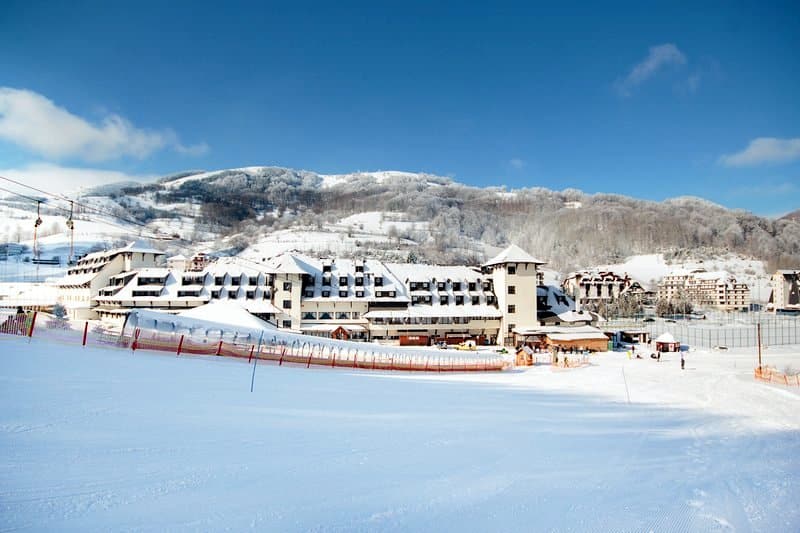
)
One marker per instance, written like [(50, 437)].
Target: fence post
[(283, 352), (180, 345), (219, 348), (33, 322), (252, 347), (85, 332), (136, 333), (355, 359)]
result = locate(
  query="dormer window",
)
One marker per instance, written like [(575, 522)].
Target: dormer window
[(359, 281), (359, 268), (379, 281), (476, 300), (326, 268), (326, 281), (342, 294), (326, 294), (359, 294), (459, 300), (441, 285), (342, 280), (456, 285), (443, 300), (473, 286)]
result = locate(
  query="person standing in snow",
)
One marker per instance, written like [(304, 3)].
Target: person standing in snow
[(683, 362)]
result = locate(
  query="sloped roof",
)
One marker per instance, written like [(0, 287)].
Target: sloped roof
[(228, 313), (666, 338), (513, 254)]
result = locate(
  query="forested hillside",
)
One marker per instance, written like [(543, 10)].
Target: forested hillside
[(565, 228)]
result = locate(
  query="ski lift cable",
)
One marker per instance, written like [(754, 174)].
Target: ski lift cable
[(76, 203)]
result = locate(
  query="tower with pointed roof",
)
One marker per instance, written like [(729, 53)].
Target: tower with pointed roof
[(514, 276)]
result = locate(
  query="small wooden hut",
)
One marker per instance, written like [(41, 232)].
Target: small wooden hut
[(667, 343)]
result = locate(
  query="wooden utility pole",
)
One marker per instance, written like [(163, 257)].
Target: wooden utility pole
[(759, 344)]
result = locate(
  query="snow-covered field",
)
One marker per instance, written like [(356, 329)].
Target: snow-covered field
[(95, 440)]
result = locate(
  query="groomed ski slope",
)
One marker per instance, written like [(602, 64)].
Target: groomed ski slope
[(94, 440)]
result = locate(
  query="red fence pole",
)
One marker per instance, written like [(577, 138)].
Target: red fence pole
[(219, 348), (180, 345), (135, 339), (308, 363), (252, 347), (85, 332), (283, 352), (333, 362), (33, 322)]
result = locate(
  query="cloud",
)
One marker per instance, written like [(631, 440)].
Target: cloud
[(61, 180), (660, 56), (516, 163), (36, 123), (764, 150)]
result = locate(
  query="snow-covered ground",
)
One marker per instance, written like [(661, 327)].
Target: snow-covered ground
[(95, 440)]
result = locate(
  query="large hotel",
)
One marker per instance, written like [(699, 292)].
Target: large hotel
[(343, 298)]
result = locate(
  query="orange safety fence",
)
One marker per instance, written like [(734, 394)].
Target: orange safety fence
[(771, 375), (307, 354)]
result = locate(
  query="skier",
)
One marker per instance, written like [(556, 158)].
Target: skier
[(683, 362)]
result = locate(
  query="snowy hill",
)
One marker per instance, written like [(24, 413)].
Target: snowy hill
[(404, 215)]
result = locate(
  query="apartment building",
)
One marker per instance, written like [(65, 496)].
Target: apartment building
[(785, 294), (716, 290)]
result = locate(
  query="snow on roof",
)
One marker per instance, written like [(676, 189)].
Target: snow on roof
[(546, 330), (666, 338), (575, 316), (513, 254), (226, 312), (599, 335), (178, 257), (414, 272), (72, 280)]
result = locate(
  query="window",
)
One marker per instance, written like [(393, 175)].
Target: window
[(472, 286), (476, 300), (512, 289), (324, 315), (512, 269), (459, 300), (511, 328), (326, 294), (287, 304), (287, 285), (253, 280), (287, 323), (359, 294), (309, 293), (442, 300), (512, 309), (359, 281), (457, 286), (309, 315), (235, 280), (342, 294), (326, 268), (342, 280), (359, 268), (379, 281), (342, 315), (215, 294), (441, 285), (219, 280), (326, 281), (232, 295)]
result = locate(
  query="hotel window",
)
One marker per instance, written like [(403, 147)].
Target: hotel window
[(326, 294), (473, 286), (442, 300), (512, 309), (457, 286), (342, 294), (287, 285), (359, 281), (342, 280), (512, 269), (359, 294), (287, 323), (459, 300), (342, 315), (441, 285), (511, 328), (476, 300), (287, 304), (512, 289), (379, 281), (325, 315), (309, 315)]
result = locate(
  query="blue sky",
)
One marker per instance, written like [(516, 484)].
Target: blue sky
[(645, 99)]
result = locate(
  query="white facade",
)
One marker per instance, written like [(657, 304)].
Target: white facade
[(718, 290)]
